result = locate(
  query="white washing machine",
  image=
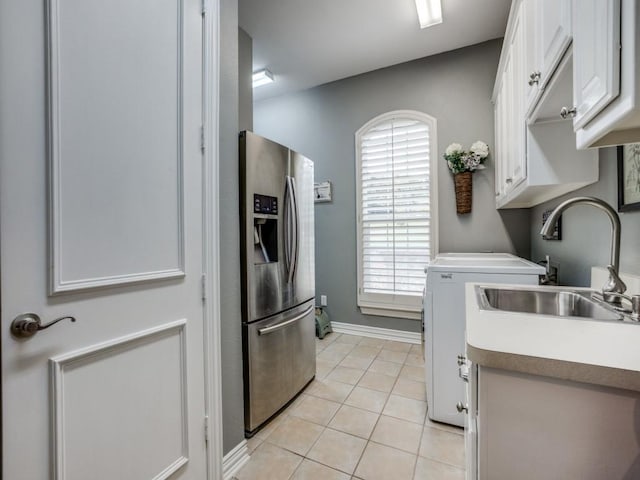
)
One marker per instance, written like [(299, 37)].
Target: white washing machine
[(444, 319)]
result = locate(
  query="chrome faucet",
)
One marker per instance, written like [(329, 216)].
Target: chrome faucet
[(612, 290)]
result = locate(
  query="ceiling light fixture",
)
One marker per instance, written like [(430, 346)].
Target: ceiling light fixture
[(429, 12), (262, 77)]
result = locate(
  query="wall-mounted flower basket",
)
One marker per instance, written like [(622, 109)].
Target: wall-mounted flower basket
[(462, 164), (464, 192)]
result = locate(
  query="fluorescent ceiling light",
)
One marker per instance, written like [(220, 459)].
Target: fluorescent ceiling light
[(429, 12), (262, 77)]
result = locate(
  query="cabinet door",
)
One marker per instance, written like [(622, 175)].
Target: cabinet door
[(510, 113), (508, 116), (532, 67), (517, 159), (554, 34), (500, 146), (447, 343), (596, 57)]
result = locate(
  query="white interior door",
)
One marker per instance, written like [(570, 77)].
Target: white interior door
[(101, 220)]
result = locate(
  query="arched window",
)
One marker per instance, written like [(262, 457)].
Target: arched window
[(396, 156)]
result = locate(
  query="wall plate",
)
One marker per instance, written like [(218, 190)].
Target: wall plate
[(322, 192)]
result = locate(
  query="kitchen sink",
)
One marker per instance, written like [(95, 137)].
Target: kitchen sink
[(562, 303)]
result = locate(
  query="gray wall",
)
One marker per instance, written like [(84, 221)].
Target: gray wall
[(586, 232), (245, 78), (320, 123), (231, 341)]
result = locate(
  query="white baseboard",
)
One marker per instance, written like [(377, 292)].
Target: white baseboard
[(377, 332), (235, 460)]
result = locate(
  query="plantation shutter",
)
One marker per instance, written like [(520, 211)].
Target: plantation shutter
[(395, 206)]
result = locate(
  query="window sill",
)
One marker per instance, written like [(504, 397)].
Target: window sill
[(412, 313)]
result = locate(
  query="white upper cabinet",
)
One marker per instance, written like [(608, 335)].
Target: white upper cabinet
[(554, 24), (606, 74), (547, 37), (596, 70), (509, 111), (536, 162), (532, 62)]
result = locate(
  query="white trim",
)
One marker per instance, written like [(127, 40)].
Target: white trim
[(376, 332), (211, 238), (235, 460), (57, 284), (60, 363), (410, 306), (397, 302), (385, 311)]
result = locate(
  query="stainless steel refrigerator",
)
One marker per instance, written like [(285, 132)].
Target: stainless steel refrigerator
[(278, 276)]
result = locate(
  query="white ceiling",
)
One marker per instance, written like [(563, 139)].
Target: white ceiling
[(305, 43)]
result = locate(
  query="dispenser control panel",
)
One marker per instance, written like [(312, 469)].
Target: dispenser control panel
[(265, 204)]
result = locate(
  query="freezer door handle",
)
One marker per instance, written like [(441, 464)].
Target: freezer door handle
[(278, 326)]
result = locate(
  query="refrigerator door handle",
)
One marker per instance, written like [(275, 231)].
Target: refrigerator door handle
[(291, 228), (278, 326), (296, 231), (288, 226)]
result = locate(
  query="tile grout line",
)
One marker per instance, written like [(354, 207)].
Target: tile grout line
[(352, 474), (352, 387)]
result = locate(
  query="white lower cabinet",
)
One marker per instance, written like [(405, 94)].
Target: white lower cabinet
[(471, 422), (531, 427)]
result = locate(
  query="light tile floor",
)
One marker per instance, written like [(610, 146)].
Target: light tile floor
[(363, 417)]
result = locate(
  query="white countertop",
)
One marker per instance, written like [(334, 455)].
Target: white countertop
[(594, 343)]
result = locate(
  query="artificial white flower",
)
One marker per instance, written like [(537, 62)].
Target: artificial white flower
[(480, 148), (453, 148), (470, 161)]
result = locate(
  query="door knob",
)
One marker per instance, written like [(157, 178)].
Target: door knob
[(461, 407), (28, 324)]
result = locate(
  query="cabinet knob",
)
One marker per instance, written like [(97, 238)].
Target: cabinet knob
[(568, 112), (534, 78), (461, 407)]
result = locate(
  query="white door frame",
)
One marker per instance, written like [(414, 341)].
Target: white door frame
[(211, 241)]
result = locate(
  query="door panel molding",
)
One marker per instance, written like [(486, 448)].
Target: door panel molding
[(161, 348), (111, 244)]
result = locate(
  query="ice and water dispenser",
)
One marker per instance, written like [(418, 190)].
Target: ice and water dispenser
[(265, 229)]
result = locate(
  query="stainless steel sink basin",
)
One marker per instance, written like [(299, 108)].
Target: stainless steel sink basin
[(563, 303)]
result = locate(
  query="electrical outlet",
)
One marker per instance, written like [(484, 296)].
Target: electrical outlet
[(323, 300)]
